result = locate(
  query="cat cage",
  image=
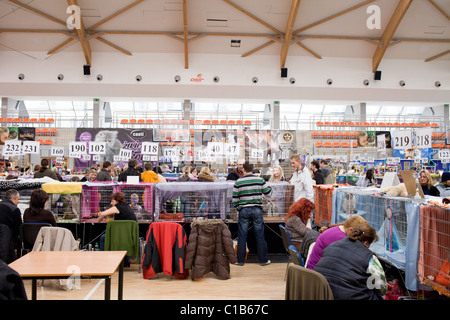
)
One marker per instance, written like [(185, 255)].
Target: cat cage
[(96, 197), (64, 200), (434, 248), (388, 215), (213, 200)]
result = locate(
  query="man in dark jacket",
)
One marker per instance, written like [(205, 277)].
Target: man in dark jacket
[(131, 171), (238, 172), (318, 175), (44, 171), (104, 174), (10, 215)]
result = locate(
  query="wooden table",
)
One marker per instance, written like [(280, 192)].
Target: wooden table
[(61, 265)]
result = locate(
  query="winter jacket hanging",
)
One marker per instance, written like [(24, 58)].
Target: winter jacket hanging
[(210, 248), (165, 250)]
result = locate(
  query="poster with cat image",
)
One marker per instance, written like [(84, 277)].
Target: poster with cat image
[(115, 140)]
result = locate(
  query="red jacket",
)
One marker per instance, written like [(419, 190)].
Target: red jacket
[(165, 250)]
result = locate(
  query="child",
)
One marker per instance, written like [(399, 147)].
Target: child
[(134, 205)]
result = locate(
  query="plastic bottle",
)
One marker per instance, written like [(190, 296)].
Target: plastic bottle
[(96, 247)]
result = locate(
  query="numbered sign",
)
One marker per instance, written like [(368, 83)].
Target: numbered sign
[(381, 143), (77, 148), (444, 154), (216, 149), (57, 151), (355, 157), (232, 149), (31, 147), (170, 152), (202, 155), (12, 148), (125, 154), (423, 138), (145, 158), (402, 139), (96, 157), (256, 153), (97, 147), (149, 147)]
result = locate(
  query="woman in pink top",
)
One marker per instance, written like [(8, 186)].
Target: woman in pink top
[(330, 235)]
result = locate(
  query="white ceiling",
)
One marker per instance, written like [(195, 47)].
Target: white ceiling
[(422, 21)]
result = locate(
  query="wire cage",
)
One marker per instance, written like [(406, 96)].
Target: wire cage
[(213, 200), (96, 197), (434, 248), (388, 215), (189, 200), (323, 201), (64, 200)]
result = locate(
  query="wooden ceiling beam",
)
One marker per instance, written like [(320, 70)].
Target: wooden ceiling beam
[(309, 50), (81, 32), (185, 34), (112, 45), (288, 34), (439, 9), (98, 24), (60, 46), (38, 12), (437, 56), (253, 16), (389, 32), (258, 48)]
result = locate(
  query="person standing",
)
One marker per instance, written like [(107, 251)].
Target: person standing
[(131, 171), (44, 171), (301, 180), (443, 187), (248, 192), (104, 173), (318, 175), (238, 172), (327, 172), (10, 215)]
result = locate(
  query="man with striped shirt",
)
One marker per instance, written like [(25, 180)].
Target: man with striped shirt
[(247, 198)]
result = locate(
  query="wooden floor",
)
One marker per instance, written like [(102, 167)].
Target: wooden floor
[(249, 282)]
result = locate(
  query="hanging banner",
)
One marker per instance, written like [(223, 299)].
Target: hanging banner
[(381, 143), (422, 138), (409, 144), (113, 140), (402, 139), (366, 139)]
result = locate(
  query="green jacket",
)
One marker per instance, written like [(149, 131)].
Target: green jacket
[(123, 235)]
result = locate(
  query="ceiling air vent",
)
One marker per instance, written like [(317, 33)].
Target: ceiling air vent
[(216, 19), (235, 43)]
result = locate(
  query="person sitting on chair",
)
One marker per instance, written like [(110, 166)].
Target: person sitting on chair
[(350, 267), (331, 234), (298, 221), (36, 212)]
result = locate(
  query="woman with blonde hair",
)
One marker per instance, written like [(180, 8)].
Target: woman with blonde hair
[(331, 234), (426, 182), (277, 174), (205, 175)]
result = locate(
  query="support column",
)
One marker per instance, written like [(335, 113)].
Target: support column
[(276, 115), (362, 112), (187, 108), (97, 110)]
